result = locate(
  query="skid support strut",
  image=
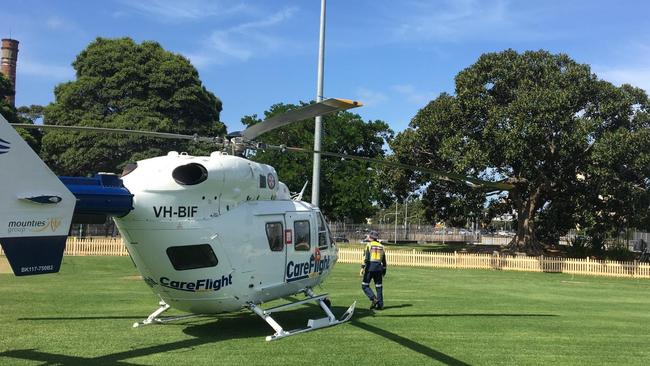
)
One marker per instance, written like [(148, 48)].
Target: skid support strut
[(312, 324), (154, 319)]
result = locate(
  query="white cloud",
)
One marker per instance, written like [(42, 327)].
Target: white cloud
[(243, 41), (56, 23), (30, 68), (635, 76), (370, 97), (199, 60), (410, 93), (395, 95), (183, 10), (633, 68), (60, 24), (455, 20)]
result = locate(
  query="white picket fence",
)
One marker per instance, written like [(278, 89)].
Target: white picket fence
[(95, 246), (590, 267), (98, 246)]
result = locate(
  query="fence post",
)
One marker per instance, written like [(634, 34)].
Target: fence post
[(455, 259), (413, 258)]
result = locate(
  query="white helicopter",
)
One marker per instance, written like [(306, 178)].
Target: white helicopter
[(208, 234)]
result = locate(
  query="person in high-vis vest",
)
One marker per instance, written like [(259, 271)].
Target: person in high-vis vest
[(374, 268)]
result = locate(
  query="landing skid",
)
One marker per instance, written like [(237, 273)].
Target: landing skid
[(154, 319), (312, 324)]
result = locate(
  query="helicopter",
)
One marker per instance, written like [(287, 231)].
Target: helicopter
[(208, 234)]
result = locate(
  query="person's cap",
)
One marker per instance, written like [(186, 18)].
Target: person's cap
[(373, 235)]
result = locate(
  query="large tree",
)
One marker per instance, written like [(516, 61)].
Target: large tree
[(615, 195), (348, 188), (13, 115), (541, 122), (6, 109), (121, 84), (33, 113)]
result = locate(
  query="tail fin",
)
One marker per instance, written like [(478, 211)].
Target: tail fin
[(35, 208)]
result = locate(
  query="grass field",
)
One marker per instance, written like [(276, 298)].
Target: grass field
[(83, 316)]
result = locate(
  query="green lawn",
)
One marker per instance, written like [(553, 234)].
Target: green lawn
[(83, 316)]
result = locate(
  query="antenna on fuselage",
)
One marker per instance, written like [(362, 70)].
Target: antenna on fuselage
[(298, 197)]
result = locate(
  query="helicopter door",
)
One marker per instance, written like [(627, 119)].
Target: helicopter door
[(300, 239), (275, 234)]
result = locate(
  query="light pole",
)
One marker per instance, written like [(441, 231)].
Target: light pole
[(395, 238), (392, 213), (406, 216), (315, 186)]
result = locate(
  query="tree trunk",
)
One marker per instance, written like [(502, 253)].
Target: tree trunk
[(525, 240)]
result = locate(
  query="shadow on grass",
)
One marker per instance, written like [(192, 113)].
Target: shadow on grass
[(465, 315), (412, 345), (240, 325), (81, 318), (387, 307)]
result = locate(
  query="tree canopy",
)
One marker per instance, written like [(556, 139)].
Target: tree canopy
[(121, 84), (6, 109), (573, 146), (13, 115), (348, 188)]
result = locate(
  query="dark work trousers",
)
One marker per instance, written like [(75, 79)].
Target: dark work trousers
[(365, 285)]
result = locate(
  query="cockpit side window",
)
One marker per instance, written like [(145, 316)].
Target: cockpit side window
[(275, 236), (302, 234)]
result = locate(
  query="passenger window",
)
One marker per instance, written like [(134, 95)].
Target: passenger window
[(302, 235), (323, 233), (274, 233), (192, 257)]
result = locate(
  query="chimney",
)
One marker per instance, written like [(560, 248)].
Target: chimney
[(8, 65)]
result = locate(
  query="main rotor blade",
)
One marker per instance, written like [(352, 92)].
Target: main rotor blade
[(472, 182), (164, 135), (310, 111)]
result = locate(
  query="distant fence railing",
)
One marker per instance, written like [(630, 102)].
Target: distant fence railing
[(93, 246), (101, 246), (631, 239), (415, 258)]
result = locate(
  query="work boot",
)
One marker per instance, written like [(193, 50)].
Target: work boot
[(379, 306)]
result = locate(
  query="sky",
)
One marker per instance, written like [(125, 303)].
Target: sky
[(393, 56)]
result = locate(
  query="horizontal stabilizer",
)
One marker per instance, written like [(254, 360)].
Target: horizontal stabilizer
[(34, 255), (35, 208)]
